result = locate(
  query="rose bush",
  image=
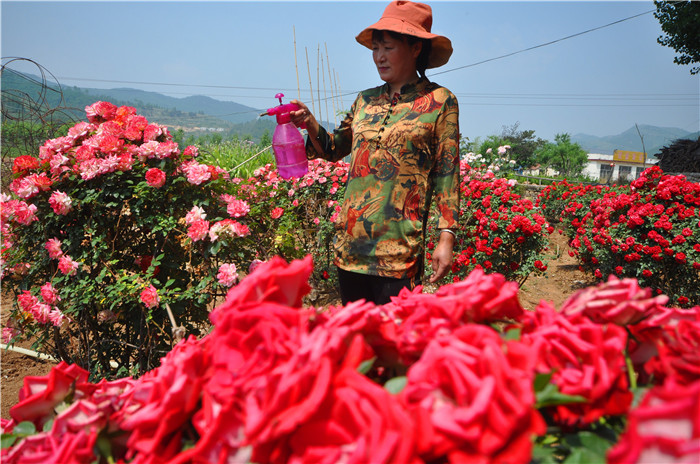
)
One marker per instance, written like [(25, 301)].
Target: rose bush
[(649, 230), (112, 227), (275, 381), (137, 239), (500, 231)]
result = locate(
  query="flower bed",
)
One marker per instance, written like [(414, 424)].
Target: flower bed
[(116, 241), (649, 230), (500, 230), (462, 375)]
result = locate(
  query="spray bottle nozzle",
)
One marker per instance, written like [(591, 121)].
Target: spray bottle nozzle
[(282, 111)]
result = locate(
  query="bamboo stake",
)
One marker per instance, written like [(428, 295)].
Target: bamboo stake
[(296, 67), (330, 82), (308, 69), (325, 95), (318, 83), (337, 88)]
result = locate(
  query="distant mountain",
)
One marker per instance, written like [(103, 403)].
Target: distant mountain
[(655, 138), (195, 115), (226, 110)]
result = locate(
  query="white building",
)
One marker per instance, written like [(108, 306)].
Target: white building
[(622, 166)]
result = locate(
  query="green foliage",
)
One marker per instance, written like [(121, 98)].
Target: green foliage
[(523, 144), (566, 157), (680, 21), (238, 157)]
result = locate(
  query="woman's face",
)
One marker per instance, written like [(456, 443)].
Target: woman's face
[(395, 60)]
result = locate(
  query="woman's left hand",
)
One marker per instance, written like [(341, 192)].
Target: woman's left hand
[(442, 257)]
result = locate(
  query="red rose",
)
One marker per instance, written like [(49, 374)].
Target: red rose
[(618, 301), (24, 163), (163, 401), (678, 355), (155, 177), (586, 359), (273, 281), (665, 427), (277, 213), (472, 398), (357, 421), (40, 395)]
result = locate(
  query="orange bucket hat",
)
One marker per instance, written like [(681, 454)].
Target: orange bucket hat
[(410, 18)]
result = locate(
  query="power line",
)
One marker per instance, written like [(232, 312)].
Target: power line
[(542, 45), (277, 89)]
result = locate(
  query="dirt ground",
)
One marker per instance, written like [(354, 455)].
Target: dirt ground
[(560, 281)]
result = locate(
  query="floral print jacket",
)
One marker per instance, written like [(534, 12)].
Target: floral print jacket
[(404, 150)]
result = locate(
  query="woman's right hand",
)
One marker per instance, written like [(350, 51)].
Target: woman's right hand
[(304, 118)]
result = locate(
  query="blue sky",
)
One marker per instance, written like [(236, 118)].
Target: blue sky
[(599, 83)]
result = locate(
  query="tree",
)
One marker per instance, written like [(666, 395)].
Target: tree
[(523, 144), (681, 23), (566, 157)]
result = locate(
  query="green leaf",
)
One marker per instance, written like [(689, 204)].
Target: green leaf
[(24, 428), (591, 442), (513, 334), (543, 454), (47, 425), (541, 381), (396, 385), (550, 396), (8, 440), (584, 456), (365, 366)]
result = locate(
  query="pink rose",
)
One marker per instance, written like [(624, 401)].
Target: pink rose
[(27, 301), (53, 246), (195, 214), (236, 208), (149, 297), (20, 212), (227, 275), (198, 230), (196, 173), (24, 187), (67, 265), (60, 203), (56, 317), (135, 125), (228, 228), (49, 294), (100, 111), (155, 177)]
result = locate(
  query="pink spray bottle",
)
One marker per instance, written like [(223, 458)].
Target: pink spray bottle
[(287, 142)]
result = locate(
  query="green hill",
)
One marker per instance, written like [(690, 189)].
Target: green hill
[(24, 95)]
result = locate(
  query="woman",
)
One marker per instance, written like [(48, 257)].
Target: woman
[(403, 138)]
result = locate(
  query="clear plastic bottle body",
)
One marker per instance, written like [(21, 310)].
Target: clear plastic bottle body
[(290, 153)]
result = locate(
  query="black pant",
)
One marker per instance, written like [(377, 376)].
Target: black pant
[(377, 289)]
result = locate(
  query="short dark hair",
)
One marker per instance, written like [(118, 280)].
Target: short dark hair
[(422, 60)]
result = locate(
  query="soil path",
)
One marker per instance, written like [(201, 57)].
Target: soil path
[(560, 281)]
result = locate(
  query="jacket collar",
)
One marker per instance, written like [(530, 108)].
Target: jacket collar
[(408, 89)]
